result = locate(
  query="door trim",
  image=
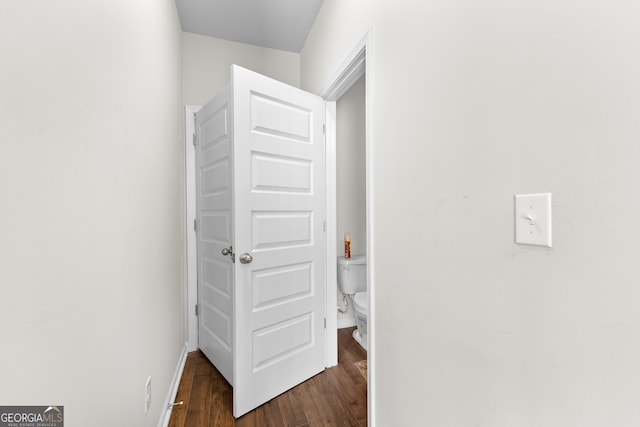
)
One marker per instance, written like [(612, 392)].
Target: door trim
[(192, 259), (355, 65), (331, 272)]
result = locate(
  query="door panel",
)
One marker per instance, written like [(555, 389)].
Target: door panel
[(280, 174), (215, 232), (284, 230), (260, 189), (279, 118), (281, 285), (279, 212)]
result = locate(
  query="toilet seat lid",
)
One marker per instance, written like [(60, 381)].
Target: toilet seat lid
[(361, 301)]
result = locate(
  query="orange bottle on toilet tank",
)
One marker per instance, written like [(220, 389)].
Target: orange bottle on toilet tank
[(347, 246)]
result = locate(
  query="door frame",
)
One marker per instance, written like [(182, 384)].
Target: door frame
[(357, 64), (354, 66), (349, 72), (191, 241)]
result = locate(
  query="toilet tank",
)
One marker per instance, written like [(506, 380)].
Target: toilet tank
[(352, 274)]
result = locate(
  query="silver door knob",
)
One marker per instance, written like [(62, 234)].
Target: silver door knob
[(226, 251), (246, 258)]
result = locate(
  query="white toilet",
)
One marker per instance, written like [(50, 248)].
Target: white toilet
[(352, 281)]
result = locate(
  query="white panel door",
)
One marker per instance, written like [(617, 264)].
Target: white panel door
[(214, 186), (279, 196)]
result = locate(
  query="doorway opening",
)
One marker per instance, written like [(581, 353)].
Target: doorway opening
[(355, 68), (351, 215)]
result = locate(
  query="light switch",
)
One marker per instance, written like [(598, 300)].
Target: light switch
[(533, 219)]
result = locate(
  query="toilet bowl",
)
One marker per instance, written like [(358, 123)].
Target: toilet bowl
[(352, 281), (361, 309)]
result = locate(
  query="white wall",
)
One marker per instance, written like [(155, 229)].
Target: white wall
[(351, 178), (206, 65), (474, 102), (91, 248)]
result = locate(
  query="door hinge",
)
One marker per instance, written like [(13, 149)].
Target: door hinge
[(194, 139), (324, 129), (325, 323), (196, 309), (195, 225), (324, 226)]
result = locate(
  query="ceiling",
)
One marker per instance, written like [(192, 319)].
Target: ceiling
[(278, 24)]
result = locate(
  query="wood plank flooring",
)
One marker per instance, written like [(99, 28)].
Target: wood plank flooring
[(335, 397)]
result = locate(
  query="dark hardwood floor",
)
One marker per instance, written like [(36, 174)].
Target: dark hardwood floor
[(335, 397)]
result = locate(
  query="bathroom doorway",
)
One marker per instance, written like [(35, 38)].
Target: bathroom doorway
[(351, 189), (354, 73)]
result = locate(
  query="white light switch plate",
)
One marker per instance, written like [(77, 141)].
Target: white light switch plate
[(533, 219)]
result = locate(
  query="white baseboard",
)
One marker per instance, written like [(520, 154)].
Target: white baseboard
[(165, 413), (346, 322)]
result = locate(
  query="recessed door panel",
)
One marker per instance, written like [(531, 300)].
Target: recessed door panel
[(281, 119), (214, 178), (214, 129), (218, 323), (282, 229), (216, 226), (281, 285), (277, 342), (217, 275), (280, 174)]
